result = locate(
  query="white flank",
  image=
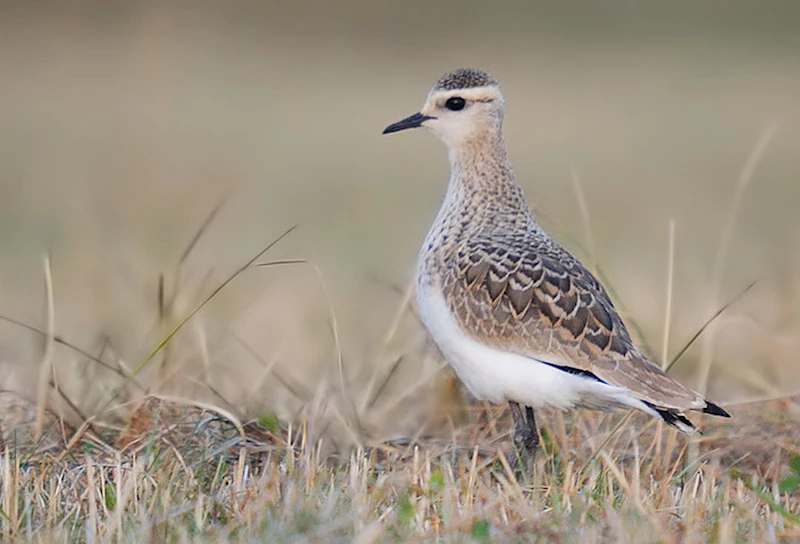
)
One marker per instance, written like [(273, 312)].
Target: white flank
[(498, 376)]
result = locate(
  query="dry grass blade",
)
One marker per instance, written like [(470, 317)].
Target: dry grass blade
[(605, 443), (587, 223), (767, 398), (69, 402), (668, 309), (167, 303), (47, 358), (161, 298), (587, 250), (707, 323), (372, 398), (333, 323), (59, 340), (424, 379), (203, 406), (164, 341), (75, 438), (746, 175), (269, 368), (204, 226), (93, 525), (163, 305), (401, 310)]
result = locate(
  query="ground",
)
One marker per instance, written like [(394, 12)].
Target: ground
[(181, 472)]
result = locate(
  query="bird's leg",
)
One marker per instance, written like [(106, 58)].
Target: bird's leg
[(526, 438), (533, 445)]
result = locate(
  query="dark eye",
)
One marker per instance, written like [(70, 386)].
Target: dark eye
[(455, 103)]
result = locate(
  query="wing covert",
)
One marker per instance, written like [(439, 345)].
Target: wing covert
[(509, 294)]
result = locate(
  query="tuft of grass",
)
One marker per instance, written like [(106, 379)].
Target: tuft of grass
[(480, 531), (187, 473), (791, 483)]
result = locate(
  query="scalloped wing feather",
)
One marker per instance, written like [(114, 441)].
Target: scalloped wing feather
[(543, 303)]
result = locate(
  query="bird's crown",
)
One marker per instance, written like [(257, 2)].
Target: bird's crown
[(464, 78)]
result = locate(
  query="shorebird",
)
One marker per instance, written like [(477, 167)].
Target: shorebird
[(517, 316)]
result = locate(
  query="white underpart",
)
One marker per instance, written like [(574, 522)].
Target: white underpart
[(498, 376)]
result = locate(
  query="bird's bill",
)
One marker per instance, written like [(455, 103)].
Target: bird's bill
[(414, 121)]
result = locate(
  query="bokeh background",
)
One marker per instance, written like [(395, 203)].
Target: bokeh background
[(123, 125)]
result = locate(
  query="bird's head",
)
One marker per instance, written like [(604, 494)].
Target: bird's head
[(463, 106)]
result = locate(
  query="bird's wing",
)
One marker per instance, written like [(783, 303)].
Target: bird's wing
[(522, 292)]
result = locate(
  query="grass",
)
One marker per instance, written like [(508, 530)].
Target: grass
[(180, 470), (151, 467), (183, 473)]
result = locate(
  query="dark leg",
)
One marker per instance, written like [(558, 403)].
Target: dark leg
[(526, 438)]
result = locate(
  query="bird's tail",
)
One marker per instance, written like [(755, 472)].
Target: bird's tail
[(679, 421)]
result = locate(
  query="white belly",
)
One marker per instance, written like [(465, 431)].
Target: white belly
[(497, 376)]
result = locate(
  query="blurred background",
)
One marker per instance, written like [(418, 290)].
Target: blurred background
[(123, 125)]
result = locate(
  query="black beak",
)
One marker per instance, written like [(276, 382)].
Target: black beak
[(415, 121)]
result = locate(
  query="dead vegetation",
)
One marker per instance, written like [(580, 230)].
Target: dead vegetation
[(365, 455), (182, 473)]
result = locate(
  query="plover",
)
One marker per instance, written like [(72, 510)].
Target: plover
[(517, 316)]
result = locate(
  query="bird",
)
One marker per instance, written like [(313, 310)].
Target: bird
[(517, 316)]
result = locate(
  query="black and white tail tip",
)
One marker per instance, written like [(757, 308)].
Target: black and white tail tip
[(679, 421)]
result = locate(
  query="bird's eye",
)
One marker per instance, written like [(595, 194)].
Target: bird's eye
[(455, 103)]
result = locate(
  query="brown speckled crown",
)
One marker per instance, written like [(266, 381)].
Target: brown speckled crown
[(465, 78)]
